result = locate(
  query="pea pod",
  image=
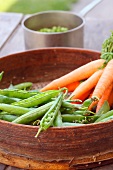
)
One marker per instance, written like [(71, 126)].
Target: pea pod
[(21, 86), (58, 120), (40, 98), (50, 115), (78, 118), (105, 115), (16, 93), (107, 119), (7, 100), (8, 118), (70, 105), (72, 118), (71, 124), (16, 110), (33, 114), (104, 109)]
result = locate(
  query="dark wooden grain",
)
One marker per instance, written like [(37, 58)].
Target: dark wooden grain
[(61, 148)]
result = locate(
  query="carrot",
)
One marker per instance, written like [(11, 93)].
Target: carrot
[(71, 87), (85, 95), (104, 82), (87, 85), (110, 99), (104, 97), (78, 74)]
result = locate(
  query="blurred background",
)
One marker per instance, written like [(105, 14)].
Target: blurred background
[(33, 6)]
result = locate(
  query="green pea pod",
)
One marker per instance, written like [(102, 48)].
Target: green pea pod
[(8, 118), (50, 115), (78, 118), (70, 105), (23, 86), (107, 119), (72, 118), (104, 109), (33, 114), (7, 100), (1, 75), (58, 120), (79, 112), (71, 124), (16, 93), (40, 98), (16, 110), (105, 115), (67, 110)]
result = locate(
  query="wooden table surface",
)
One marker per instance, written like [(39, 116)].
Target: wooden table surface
[(98, 26)]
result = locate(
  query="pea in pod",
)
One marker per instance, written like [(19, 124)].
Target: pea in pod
[(50, 115)]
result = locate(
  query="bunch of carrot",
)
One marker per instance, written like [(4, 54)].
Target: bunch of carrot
[(92, 80)]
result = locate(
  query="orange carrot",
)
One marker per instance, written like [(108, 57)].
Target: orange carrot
[(87, 85), (78, 74), (110, 99), (104, 82), (104, 97), (71, 87), (85, 95)]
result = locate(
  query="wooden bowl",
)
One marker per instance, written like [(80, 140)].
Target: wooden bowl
[(64, 148)]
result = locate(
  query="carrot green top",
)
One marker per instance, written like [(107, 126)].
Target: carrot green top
[(107, 49)]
